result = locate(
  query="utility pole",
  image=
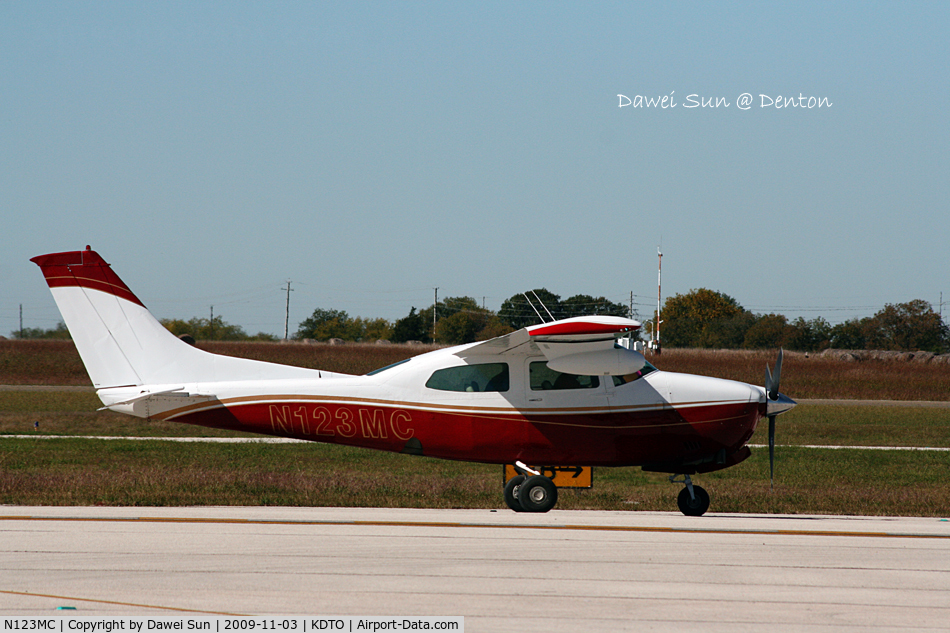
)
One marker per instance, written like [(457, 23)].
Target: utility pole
[(435, 308), (211, 323), (21, 318), (287, 315)]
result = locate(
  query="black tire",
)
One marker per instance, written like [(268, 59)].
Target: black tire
[(511, 492), (693, 507), (537, 494)]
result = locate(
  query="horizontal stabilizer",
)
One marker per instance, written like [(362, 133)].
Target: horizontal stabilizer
[(151, 404)]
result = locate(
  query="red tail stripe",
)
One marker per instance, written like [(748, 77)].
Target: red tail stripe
[(85, 269)]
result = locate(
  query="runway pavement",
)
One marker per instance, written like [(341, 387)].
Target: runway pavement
[(561, 571)]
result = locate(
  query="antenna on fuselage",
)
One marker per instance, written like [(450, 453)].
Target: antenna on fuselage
[(543, 306), (525, 295)]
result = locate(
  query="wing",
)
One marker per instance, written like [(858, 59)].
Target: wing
[(582, 345)]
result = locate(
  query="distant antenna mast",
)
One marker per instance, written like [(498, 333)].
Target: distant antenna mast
[(659, 278)]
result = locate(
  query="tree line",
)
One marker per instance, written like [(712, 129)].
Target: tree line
[(700, 318), (456, 320), (711, 319)]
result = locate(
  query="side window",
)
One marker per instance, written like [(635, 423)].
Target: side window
[(471, 378), (544, 378)]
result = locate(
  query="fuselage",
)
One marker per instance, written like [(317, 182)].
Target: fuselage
[(420, 407)]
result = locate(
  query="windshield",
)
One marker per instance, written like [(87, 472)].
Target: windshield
[(382, 369), (623, 380)]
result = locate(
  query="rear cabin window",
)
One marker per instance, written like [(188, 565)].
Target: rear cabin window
[(471, 378), (543, 378)]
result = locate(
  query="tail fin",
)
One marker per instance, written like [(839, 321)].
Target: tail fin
[(122, 344)]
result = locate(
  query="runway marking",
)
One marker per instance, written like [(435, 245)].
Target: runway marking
[(121, 604), (449, 524)]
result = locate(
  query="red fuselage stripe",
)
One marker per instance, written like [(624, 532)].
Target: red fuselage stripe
[(601, 439)]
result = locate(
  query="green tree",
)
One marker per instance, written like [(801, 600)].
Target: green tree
[(727, 332), (58, 332), (360, 329), (446, 308), (459, 328), (908, 326), (586, 305), (516, 312), (206, 329), (409, 328), (460, 320), (808, 336), (685, 317), (768, 331), (323, 325), (494, 327), (852, 334)]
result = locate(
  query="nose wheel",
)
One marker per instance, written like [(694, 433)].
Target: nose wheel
[(693, 501)]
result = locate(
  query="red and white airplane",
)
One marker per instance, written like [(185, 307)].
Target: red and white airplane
[(558, 393)]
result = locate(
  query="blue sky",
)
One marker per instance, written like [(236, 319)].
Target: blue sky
[(370, 152)]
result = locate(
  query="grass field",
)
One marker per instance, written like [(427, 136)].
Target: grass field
[(77, 471)]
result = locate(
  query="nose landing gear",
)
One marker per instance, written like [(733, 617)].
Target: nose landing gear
[(693, 501)]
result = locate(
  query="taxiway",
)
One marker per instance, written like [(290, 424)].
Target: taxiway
[(561, 571)]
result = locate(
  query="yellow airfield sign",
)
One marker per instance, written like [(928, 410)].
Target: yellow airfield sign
[(562, 476)]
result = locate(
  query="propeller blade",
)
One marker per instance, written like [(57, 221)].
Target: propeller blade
[(778, 404), (771, 453), (772, 381)]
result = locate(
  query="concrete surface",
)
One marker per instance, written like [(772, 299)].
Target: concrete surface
[(561, 571)]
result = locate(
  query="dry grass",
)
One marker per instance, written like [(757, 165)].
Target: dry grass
[(814, 376), (40, 362), (57, 363)]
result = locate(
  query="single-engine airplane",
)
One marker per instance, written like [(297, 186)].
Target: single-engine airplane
[(561, 392)]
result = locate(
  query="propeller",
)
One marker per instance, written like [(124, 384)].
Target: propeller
[(776, 403)]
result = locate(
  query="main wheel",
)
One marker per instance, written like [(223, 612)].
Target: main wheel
[(693, 507), (537, 494), (511, 492)]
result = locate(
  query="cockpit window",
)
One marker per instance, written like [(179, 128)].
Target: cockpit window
[(471, 378), (543, 378), (622, 380), (382, 369)]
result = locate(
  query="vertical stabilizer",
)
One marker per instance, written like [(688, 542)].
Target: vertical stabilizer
[(122, 344)]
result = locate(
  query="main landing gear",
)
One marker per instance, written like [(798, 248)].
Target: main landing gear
[(530, 493), (693, 501)]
